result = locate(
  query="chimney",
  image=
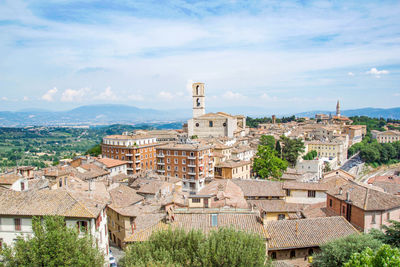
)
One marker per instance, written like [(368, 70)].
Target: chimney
[(347, 196)]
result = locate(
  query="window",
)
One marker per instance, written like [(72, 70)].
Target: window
[(195, 200), (311, 193), (373, 218), (169, 168), (17, 224), (197, 124), (176, 168), (214, 220), (281, 216), (273, 255), (210, 124), (184, 161), (288, 192), (183, 153), (330, 203), (176, 153), (22, 186), (292, 254), (176, 161), (168, 161)]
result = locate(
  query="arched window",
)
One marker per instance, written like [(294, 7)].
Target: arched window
[(198, 102), (197, 90)]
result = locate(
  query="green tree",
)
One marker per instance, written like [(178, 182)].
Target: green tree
[(291, 149), (94, 151), (267, 163), (267, 140), (193, 248), (53, 244), (384, 257), (327, 167), (370, 154), (339, 251), (310, 155), (390, 234)]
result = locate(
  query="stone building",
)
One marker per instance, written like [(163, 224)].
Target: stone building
[(386, 137), (212, 124)]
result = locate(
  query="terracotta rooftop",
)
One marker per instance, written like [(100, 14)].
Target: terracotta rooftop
[(305, 186), (110, 163), (364, 197), (276, 205), (393, 179), (191, 147), (260, 188), (233, 163), (123, 196), (303, 233), (10, 178), (46, 202)]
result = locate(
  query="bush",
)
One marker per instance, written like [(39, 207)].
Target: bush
[(339, 251), (384, 257), (193, 248)]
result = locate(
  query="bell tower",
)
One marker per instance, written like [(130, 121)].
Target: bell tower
[(198, 99), (338, 109)]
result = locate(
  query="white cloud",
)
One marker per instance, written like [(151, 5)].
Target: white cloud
[(267, 97), (25, 98), (165, 95), (4, 98), (108, 94), (350, 74), (376, 72), (396, 94), (48, 96), (136, 97), (71, 95), (233, 95)]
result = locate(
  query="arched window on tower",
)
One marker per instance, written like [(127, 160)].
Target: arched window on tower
[(198, 102), (197, 90)]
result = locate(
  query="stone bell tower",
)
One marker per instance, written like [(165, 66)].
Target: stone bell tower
[(338, 109), (199, 107)]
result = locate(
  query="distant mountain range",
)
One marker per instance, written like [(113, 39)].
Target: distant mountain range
[(123, 114), (389, 113)]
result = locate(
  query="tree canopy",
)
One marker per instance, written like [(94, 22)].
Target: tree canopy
[(339, 251), (291, 149), (385, 256), (52, 244), (267, 163), (193, 248), (310, 155), (267, 140)]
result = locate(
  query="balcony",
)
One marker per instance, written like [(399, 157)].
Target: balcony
[(191, 165), (201, 165), (160, 163), (191, 173), (191, 157), (201, 157), (130, 161), (137, 168), (161, 171), (160, 156), (137, 154), (129, 169), (129, 155), (137, 161)]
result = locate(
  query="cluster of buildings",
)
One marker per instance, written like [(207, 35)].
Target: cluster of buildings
[(200, 177)]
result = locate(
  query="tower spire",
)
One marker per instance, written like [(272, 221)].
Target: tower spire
[(338, 109)]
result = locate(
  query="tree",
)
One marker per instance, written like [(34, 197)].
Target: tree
[(94, 151), (52, 244), (266, 163), (369, 154), (339, 251), (327, 167), (291, 149), (310, 155), (390, 234), (193, 248), (385, 256), (267, 140)]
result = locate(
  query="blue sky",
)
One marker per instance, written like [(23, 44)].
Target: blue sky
[(279, 56)]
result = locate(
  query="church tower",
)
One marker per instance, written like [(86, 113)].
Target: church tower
[(199, 108), (338, 109)]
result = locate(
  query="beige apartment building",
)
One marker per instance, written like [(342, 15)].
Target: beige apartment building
[(334, 149), (138, 150), (191, 162), (386, 137), (233, 169)]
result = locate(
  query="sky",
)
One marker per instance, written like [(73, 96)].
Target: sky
[(277, 56)]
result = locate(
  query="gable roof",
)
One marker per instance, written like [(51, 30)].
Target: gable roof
[(123, 196), (110, 163), (305, 186), (46, 202), (365, 197), (303, 233), (260, 188)]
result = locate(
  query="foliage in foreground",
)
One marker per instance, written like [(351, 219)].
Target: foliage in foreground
[(390, 234), (384, 257), (224, 247), (339, 251), (53, 244)]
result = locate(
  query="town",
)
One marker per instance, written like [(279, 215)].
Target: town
[(298, 185)]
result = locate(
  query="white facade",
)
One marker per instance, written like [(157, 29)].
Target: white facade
[(121, 169), (10, 230), (314, 166), (20, 185), (301, 196)]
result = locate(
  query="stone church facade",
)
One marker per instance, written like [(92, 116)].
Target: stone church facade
[(218, 124)]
